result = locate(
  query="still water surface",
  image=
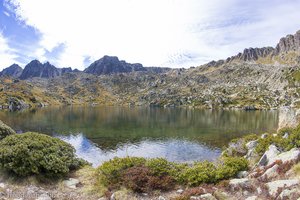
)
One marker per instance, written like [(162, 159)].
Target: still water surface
[(177, 134)]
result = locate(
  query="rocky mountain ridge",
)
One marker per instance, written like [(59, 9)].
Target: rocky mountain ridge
[(287, 46), (255, 79), (14, 71)]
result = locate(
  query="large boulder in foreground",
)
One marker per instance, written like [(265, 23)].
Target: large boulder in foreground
[(5, 130)]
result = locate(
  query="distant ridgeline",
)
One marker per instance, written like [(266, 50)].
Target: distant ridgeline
[(257, 78)]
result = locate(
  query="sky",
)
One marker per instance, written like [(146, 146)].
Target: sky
[(163, 33)]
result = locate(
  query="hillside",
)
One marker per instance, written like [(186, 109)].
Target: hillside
[(257, 78)]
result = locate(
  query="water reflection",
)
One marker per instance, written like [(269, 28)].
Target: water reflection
[(175, 133), (172, 149)]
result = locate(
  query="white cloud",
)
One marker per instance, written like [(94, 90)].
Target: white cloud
[(170, 32), (7, 55)]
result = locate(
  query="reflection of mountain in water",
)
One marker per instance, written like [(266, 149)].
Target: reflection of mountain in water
[(111, 127), (171, 149)]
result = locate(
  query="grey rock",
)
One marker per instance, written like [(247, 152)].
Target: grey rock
[(290, 156), (275, 185), (71, 183), (268, 155), (252, 198), (161, 198), (242, 174), (180, 191), (285, 136), (207, 196), (2, 185), (44, 197), (271, 172), (252, 144), (239, 183), (288, 193)]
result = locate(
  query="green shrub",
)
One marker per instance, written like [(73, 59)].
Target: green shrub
[(140, 174), (264, 143), (161, 167), (34, 153), (5, 130), (230, 167), (112, 170), (201, 172)]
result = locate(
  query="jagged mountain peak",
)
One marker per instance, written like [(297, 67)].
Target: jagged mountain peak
[(112, 64), (14, 71)]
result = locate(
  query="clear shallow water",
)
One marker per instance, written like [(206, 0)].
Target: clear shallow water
[(178, 134)]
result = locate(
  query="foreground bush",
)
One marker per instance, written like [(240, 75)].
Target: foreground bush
[(5, 130), (142, 175), (113, 169), (34, 153), (141, 179)]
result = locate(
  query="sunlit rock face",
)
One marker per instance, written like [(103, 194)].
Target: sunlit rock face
[(288, 117)]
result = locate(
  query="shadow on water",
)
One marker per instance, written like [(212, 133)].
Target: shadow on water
[(177, 134)]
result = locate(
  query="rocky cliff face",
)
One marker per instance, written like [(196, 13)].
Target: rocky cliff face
[(287, 51), (13, 71), (111, 65), (288, 43), (46, 70), (253, 54)]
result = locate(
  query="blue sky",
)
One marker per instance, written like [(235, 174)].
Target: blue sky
[(172, 33)]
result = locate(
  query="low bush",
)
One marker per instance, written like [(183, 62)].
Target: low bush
[(140, 179), (5, 130), (200, 172), (142, 175), (161, 167), (230, 167), (112, 170), (37, 154)]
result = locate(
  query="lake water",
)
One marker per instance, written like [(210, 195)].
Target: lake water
[(177, 134)]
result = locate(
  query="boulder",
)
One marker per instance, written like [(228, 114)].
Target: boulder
[(44, 197), (271, 172), (236, 148), (252, 198), (289, 193), (239, 183), (5, 130), (290, 156), (272, 152), (71, 183), (207, 196), (275, 185), (252, 144), (242, 174)]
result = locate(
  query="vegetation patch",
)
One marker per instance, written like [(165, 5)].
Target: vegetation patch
[(37, 154), (142, 175), (5, 130)]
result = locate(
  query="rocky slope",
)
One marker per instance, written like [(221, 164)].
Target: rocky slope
[(257, 78)]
